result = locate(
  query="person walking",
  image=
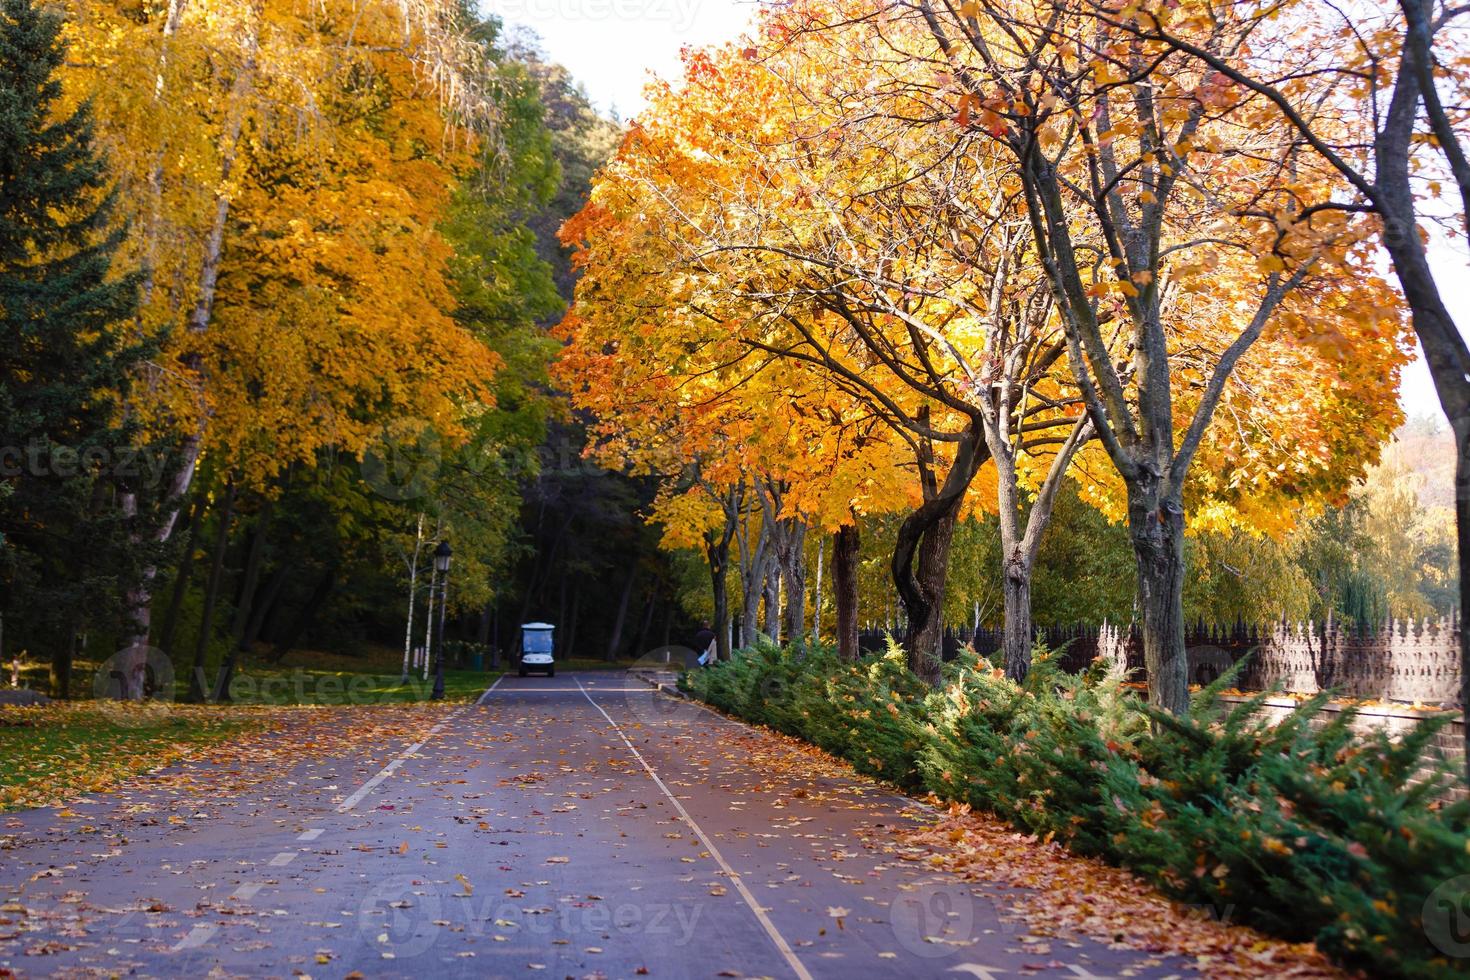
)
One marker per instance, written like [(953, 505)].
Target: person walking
[(704, 644)]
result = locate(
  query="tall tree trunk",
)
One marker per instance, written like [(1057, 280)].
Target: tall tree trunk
[(182, 575), (1445, 350), (247, 598), (793, 579), (63, 655), (482, 623), (413, 585), (650, 606), (924, 605), (717, 554), (921, 553), (251, 582), (1156, 527), (615, 641), (846, 546), (305, 615), (211, 596), (754, 558), (428, 648), (574, 617), (264, 607), (1016, 642), (817, 594), (771, 592)]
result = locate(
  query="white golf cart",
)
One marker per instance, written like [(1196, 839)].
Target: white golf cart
[(536, 646)]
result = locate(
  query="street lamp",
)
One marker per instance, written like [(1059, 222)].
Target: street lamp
[(441, 565)]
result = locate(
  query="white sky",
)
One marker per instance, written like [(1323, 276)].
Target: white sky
[(613, 46)]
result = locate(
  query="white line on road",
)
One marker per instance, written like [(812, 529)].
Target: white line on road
[(201, 934), (198, 936), (387, 770), (489, 689), (779, 940)]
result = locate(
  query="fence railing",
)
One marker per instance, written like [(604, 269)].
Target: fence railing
[(1406, 661)]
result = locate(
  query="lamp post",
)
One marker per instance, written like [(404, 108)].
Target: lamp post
[(441, 565)]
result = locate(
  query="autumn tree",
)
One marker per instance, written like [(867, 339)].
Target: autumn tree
[(1109, 133), (287, 163), (1392, 130)]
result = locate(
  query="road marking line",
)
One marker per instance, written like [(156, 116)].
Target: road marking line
[(246, 891), (489, 689), (282, 859), (906, 801), (770, 927), (312, 834), (198, 936), (388, 770)]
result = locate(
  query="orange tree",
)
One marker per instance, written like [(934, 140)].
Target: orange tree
[(1175, 223), (1392, 129), (822, 201)]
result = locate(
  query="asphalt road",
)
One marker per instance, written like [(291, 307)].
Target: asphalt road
[(567, 827)]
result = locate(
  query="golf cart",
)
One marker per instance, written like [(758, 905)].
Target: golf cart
[(536, 647)]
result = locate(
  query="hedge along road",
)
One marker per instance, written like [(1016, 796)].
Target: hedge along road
[(569, 826)]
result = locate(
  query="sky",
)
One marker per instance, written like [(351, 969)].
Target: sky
[(614, 46)]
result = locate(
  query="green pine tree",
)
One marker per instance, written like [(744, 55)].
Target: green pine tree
[(65, 356)]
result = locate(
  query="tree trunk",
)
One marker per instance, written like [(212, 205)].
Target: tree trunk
[(755, 564), (574, 617), (63, 655), (845, 552), (1462, 537), (211, 596), (305, 615), (184, 572), (1157, 530), (428, 647), (615, 641), (1016, 581), (263, 608), (247, 598), (924, 605), (817, 594), (253, 561), (792, 552), (921, 552), (717, 553), (140, 596), (482, 623), (771, 590), (640, 645)]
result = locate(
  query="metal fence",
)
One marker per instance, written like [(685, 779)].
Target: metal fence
[(1402, 660)]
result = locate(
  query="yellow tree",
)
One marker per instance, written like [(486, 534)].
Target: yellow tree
[(285, 163), (1108, 133), (1393, 129)]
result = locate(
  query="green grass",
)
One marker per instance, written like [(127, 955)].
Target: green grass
[(59, 751), (303, 685)]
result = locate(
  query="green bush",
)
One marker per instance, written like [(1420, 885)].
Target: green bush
[(1298, 826)]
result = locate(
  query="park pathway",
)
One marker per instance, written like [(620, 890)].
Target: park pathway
[(574, 826)]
